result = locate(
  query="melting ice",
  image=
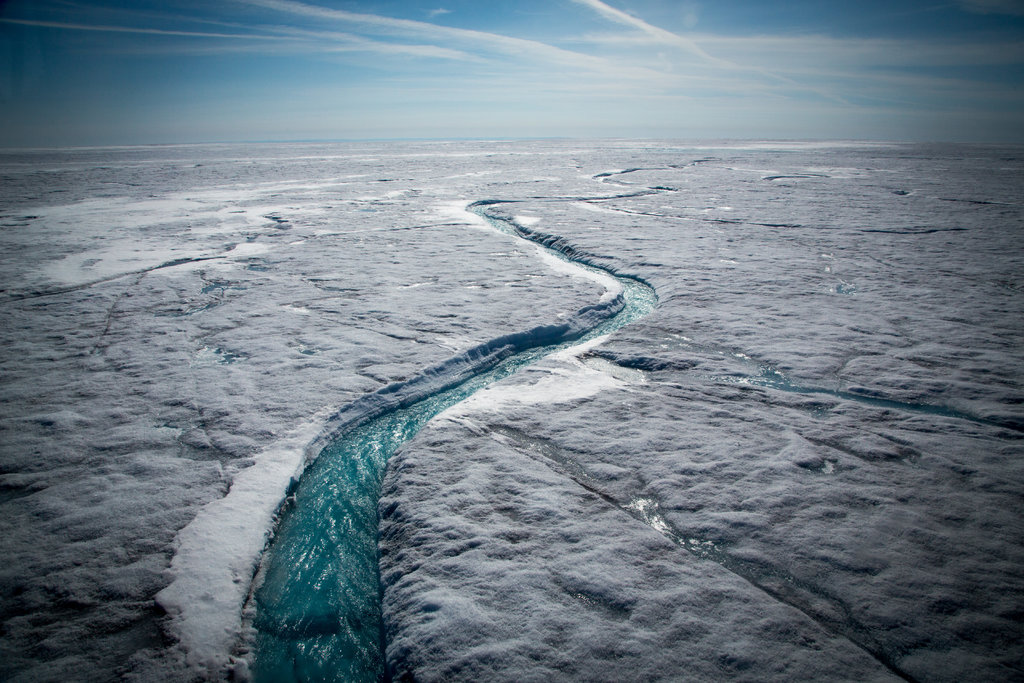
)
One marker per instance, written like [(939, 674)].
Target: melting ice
[(183, 327)]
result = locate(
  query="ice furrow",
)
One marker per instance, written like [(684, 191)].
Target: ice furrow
[(775, 380), (21, 296), (922, 231), (772, 580), (768, 377), (109, 319)]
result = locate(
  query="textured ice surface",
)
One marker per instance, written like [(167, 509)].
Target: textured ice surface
[(180, 322), (810, 468), (315, 609)]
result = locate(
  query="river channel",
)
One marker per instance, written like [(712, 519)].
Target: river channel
[(316, 602)]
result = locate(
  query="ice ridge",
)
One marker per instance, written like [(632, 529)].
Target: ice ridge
[(548, 240)]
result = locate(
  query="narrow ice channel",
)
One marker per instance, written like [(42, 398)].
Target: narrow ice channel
[(315, 605)]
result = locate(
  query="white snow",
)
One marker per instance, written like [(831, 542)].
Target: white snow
[(213, 562), (248, 249), (561, 378), (611, 286), (456, 211), (527, 221)]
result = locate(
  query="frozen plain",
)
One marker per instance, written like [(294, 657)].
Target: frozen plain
[(806, 463)]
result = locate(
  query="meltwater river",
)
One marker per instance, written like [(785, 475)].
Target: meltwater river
[(317, 602)]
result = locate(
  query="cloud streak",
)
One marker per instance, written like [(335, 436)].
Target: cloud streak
[(661, 36), (319, 41), (133, 29), (337, 41), (520, 48)]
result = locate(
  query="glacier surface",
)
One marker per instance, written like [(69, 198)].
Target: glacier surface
[(806, 463)]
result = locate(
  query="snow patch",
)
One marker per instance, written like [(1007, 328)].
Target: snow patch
[(612, 288), (564, 378), (218, 552), (595, 208), (122, 259), (458, 211), (247, 249)]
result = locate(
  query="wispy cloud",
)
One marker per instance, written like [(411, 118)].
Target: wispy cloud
[(810, 52), (133, 29), (292, 39), (660, 36), (874, 72), (438, 12), (338, 41), (520, 48)]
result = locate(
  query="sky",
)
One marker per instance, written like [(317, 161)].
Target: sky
[(122, 72)]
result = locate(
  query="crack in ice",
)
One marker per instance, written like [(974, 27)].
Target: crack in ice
[(772, 580)]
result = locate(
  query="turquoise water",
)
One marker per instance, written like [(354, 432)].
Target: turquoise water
[(317, 605)]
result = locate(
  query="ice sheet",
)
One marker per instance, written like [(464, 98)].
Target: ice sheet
[(752, 483), (138, 394)]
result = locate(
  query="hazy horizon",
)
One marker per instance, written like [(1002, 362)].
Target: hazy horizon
[(97, 73)]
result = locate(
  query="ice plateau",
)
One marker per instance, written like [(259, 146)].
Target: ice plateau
[(806, 463)]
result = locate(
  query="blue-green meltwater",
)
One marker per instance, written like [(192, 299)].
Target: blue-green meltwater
[(316, 601)]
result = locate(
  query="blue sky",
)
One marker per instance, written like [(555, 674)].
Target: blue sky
[(102, 72)]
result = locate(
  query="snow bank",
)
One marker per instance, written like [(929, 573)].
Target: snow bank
[(217, 554)]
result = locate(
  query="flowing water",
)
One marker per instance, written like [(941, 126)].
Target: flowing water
[(317, 601)]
